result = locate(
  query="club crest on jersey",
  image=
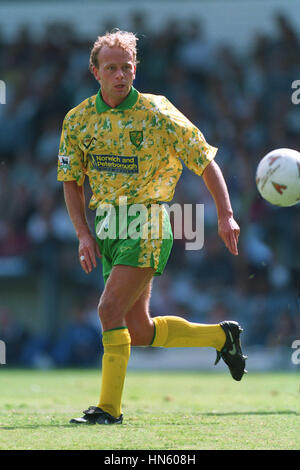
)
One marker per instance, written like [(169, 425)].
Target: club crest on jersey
[(64, 163), (136, 137)]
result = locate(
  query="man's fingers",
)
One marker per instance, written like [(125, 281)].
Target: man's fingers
[(233, 243), (231, 240), (85, 261), (229, 231), (93, 252), (87, 257)]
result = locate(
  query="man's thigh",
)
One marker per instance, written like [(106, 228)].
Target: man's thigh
[(123, 288)]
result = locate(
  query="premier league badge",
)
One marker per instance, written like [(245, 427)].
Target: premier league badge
[(64, 163)]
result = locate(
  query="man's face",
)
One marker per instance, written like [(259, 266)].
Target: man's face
[(115, 73)]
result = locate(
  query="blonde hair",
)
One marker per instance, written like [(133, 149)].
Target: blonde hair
[(123, 39)]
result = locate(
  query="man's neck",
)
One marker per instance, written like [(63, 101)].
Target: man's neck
[(111, 102)]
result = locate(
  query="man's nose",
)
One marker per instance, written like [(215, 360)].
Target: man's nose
[(119, 74)]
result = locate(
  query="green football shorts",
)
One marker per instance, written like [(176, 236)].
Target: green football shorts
[(135, 235)]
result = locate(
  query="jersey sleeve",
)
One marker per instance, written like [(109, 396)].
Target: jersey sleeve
[(188, 141), (70, 159)]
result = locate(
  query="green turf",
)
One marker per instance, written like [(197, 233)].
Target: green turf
[(166, 410)]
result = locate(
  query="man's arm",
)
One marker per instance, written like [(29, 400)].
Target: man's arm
[(75, 202), (228, 229)]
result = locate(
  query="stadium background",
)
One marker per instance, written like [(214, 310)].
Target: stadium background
[(228, 66)]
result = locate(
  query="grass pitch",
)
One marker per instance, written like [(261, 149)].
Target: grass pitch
[(162, 411)]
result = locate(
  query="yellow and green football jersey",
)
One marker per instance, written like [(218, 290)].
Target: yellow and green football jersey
[(133, 150)]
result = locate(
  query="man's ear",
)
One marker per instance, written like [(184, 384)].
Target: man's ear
[(96, 73)]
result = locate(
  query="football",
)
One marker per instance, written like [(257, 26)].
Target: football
[(278, 177)]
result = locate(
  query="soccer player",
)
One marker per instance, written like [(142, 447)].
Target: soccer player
[(128, 144)]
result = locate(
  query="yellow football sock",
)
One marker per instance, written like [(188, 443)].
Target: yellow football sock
[(176, 332), (116, 344)]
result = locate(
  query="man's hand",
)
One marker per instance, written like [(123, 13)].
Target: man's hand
[(229, 231), (88, 251)]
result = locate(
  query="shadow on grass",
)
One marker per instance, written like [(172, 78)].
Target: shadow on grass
[(36, 426), (220, 414)]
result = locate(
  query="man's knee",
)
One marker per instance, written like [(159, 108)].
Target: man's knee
[(109, 312)]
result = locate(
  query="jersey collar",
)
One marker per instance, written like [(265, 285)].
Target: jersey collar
[(128, 103)]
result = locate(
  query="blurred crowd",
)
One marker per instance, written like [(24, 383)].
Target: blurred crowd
[(241, 101)]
